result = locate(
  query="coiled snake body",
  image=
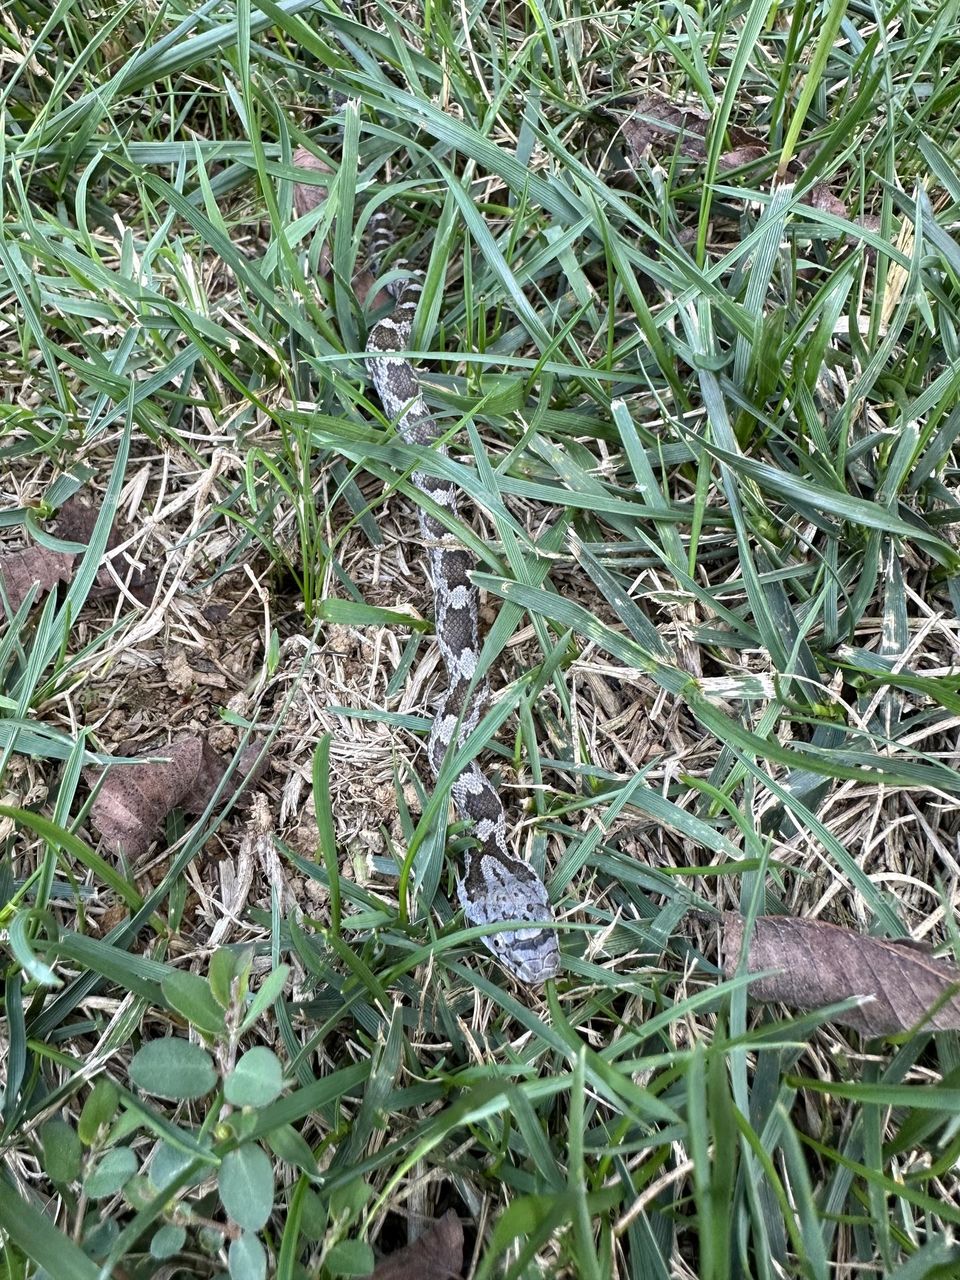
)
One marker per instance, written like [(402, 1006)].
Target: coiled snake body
[(495, 886)]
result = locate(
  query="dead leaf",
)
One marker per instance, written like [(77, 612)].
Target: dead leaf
[(819, 964), (35, 565), (437, 1255), (135, 799), (362, 284), (821, 197), (184, 678), (76, 520), (747, 154), (656, 120), (869, 222), (307, 195), (665, 127)]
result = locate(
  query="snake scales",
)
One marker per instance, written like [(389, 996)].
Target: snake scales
[(495, 887)]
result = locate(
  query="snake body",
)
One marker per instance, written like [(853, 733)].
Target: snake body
[(495, 885)]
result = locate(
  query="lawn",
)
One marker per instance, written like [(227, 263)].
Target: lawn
[(691, 330)]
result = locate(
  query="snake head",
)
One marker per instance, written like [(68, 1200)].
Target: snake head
[(531, 955), (496, 888)]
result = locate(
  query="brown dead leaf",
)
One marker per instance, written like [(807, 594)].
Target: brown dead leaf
[(746, 154), (75, 522), (29, 566), (33, 566), (821, 197), (656, 121), (363, 282), (665, 127), (437, 1255), (307, 195), (134, 800), (184, 678), (819, 964), (869, 222)]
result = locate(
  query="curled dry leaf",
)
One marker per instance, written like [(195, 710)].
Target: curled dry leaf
[(33, 566), (665, 127), (747, 154), (437, 1255), (821, 197), (817, 964), (308, 195), (28, 566), (135, 799)]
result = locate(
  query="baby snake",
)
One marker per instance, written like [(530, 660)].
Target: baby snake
[(495, 886)]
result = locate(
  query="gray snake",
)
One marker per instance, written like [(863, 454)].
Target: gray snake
[(495, 886)]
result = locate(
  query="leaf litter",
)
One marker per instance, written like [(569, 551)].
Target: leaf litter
[(665, 127), (134, 800), (902, 985), (24, 568), (662, 128), (436, 1255)]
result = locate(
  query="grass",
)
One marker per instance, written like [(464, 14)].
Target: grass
[(709, 420)]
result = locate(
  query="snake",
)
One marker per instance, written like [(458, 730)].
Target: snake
[(496, 888)]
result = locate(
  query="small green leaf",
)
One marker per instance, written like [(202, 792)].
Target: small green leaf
[(248, 1258), (113, 1172), (256, 1079), (269, 990), (314, 1216), (246, 1186), (99, 1235), (223, 966), (98, 1111), (174, 1069), (210, 1239), (289, 1145), (167, 1164), (351, 1258), (61, 1151), (243, 1124), (168, 1241), (347, 1201), (139, 1191), (190, 995), (227, 965)]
